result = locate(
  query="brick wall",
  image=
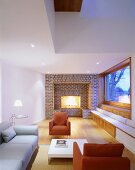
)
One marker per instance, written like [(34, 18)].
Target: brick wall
[(85, 85)]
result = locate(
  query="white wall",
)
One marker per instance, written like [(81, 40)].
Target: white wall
[(108, 8), (49, 4), (19, 83), (0, 97), (133, 87), (75, 34)]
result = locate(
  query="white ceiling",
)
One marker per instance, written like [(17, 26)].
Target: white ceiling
[(64, 43)]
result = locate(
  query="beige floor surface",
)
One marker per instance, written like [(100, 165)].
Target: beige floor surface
[(80, 128)]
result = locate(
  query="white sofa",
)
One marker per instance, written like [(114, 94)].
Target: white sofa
[(125, 128), (16, 152)]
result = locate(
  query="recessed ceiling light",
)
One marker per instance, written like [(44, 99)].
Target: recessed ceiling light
[(97, 63), (32, 45), (48, 72)]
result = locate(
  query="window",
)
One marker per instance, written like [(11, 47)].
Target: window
[(118, 86)]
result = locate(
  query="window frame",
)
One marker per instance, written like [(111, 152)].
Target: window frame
[(115, 68)]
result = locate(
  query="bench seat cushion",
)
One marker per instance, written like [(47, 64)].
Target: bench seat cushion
[(130, 123)]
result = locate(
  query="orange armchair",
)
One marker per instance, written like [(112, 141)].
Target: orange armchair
[(59, 125), (100, 157)]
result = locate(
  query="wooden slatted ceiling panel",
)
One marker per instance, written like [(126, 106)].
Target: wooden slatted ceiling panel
[(67, 5)]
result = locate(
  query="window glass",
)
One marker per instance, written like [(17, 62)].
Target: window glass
[(118, 86)]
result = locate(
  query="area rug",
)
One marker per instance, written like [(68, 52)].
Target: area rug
[(41, 161)]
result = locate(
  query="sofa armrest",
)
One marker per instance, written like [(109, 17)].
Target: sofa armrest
[(105, 163), (77, 157), (26, 130)]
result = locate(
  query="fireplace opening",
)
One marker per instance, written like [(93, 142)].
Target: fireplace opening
[(72, 97), (70, 102)]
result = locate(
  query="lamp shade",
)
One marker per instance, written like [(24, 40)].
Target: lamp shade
[(18, 103)]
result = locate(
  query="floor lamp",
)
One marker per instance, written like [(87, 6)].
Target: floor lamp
[(18, 104)]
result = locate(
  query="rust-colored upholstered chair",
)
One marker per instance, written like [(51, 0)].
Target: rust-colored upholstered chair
[(100, 157), (59, 125)]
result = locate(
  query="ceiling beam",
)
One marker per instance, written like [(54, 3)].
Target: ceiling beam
[(68, 5)]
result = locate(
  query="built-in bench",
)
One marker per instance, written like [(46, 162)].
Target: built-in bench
[(116, 110), (123, 129)]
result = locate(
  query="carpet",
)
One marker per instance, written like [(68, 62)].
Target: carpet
[(41, 161)]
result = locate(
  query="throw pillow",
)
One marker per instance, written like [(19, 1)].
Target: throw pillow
[(8, 134)]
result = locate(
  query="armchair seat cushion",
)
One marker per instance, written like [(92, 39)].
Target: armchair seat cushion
[(60, 130)]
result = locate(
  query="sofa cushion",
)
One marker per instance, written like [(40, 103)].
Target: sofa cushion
[(25, 139), (10, 164), (60, 118), (130, 123), (26, 130), (3, 126), (22, 152), (103, 150), (8, 134)]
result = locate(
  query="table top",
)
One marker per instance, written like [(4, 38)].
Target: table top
[(64, 152)]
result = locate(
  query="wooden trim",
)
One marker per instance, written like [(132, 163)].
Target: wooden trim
[(119, 66), (118, 104), (107, 126), (126, 62), (124, 112), (67, 5)]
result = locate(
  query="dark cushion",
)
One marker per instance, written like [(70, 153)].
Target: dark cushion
[(3, 126), (8, 134), (103, 150)]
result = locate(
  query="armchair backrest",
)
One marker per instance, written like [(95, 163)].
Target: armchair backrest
[(103, 150), (60, 118), (100, 157)]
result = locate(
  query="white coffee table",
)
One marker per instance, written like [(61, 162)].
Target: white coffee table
[(64, 152)]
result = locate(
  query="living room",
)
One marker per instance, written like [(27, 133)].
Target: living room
[(48, 53)]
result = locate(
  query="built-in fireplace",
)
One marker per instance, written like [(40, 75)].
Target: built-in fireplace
[(71, 97), (59, 85)]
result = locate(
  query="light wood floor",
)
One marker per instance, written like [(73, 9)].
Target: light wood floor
[(83, 128)]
